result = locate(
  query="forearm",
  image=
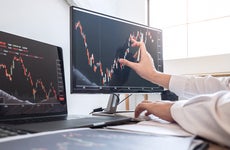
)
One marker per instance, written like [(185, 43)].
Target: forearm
[(160, 79)]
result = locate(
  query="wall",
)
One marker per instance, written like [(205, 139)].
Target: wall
[(133, 10), (216, 64), (48, 21)]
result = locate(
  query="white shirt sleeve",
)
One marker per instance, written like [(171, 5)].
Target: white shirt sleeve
[(189, 86), (207, 113)]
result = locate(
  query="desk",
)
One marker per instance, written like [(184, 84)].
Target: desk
[(103, 139), (153, 127), (91, 137)]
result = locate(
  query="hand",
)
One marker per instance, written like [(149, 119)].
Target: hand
[(145, 67), (160, 109)]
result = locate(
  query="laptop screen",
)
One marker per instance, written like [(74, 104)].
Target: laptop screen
[(31, 78)]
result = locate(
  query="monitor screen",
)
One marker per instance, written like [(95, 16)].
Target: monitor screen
[(98, 41), (31, 78)]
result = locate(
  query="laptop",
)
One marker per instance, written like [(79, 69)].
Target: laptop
[(32, 88)]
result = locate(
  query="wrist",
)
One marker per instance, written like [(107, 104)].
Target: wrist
[(160, 79)]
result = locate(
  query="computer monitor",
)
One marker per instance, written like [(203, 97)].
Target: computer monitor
[(98, 41), (31, 78)]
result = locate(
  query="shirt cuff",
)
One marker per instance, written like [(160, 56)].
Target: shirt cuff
[(176, 110)]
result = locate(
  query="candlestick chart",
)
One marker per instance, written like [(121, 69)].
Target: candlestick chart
[(108, 69), (21, 78)]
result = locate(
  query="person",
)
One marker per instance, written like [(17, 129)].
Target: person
[(205, 110)]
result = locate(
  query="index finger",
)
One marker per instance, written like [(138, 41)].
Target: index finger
[(142, 48)]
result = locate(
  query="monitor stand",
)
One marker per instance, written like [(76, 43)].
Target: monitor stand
[(111, 108), (113, 101)]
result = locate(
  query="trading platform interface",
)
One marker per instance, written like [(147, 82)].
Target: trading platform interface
[(31, 77)]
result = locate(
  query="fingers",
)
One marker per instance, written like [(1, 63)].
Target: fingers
[(126, 63), (145, 66), (138, 44), (144, 54), (135, 43), (130, 64), (140, 108)]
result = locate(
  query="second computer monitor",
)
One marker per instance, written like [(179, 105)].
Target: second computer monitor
[(98, 41)]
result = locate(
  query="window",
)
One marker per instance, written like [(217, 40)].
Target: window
[(192, 28)]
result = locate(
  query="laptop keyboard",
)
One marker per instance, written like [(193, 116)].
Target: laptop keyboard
[(7, 131)]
